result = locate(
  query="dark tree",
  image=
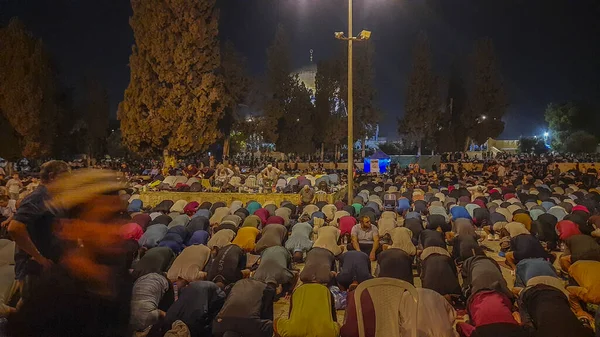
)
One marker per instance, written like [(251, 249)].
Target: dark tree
[(237, 86), (28, 91), (532, 145), (422, 109), (329, 120), (487, 98), (567, 118), (581, 142), (452, 136), (175, 96)]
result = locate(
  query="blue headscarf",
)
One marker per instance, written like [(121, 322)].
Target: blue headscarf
[(459, 212), (135, 205), (252, 207), (202, 212), (198, 238)]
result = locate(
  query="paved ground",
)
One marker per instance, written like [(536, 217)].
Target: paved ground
[(281, 307)]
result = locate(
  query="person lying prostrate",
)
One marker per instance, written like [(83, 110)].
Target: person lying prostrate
[(319, 266), (550, 314), (312, 313), (490, 315), (228, 266), (198, 238), (272, 235), (435, 316), (299, 242), (189, 265), (147, 293), (438, 272), (464, 244), (175, 239), (365, 238), (544, 230), (155, 260), (579, 247), (395, 263), (198, 223), (416, 227), (523, 245), (246, 238), (566, 229), (402, 239), (275, 267), (248, 310), (346, 224), (153, 235), (587, 275), (483, 273), (252, 221), (432, 238), (529, 268), (327, 237), (197, 306), (385, 227), (355, 268), (221, 238)]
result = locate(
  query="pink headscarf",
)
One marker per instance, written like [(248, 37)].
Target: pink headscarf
[(131, 231), (580, 208)]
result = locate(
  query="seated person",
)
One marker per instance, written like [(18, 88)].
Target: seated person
[(319, 266), (523, 245), (246, 238), (189, 265), (438, 272), (395, 263), (248, 310), (312, 313), (275, 267), (228, 266), (155, 260), (587, 275), (146, 295), (221, 239), (365, 238), (549, 312), (272, 235), (355, 267), (197, 306), (579, 247), (8, 207), (327, 237), (299, 241)]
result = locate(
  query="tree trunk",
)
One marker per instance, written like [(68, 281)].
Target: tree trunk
[(467, 142), (226, 146), (168, 160), (322, 150), (362, 144)]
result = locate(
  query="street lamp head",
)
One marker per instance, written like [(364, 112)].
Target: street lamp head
[(546, 134), (339, 35), (364, 35), (483, 117)]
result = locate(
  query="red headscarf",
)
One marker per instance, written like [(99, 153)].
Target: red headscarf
[(566, 229), (131, 231)]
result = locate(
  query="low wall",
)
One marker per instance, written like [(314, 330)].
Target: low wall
[(154, 198)]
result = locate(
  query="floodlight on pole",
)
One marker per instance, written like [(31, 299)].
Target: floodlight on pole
[(363, 36)]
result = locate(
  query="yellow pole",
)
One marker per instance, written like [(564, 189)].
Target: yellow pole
[(350, 110)]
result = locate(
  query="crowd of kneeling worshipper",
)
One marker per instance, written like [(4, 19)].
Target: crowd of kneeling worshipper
[(201, 269)]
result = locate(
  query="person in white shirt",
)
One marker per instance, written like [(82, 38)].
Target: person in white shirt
[(14, 186), (8, 208)]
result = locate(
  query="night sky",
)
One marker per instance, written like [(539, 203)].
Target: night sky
[(549, 50)]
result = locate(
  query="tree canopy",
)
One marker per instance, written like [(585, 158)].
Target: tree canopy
[(566, 118), (175, 97), (28, 94), (422, 106), (487, 98)]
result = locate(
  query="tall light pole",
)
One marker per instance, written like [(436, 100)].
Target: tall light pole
[(364, 35)]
